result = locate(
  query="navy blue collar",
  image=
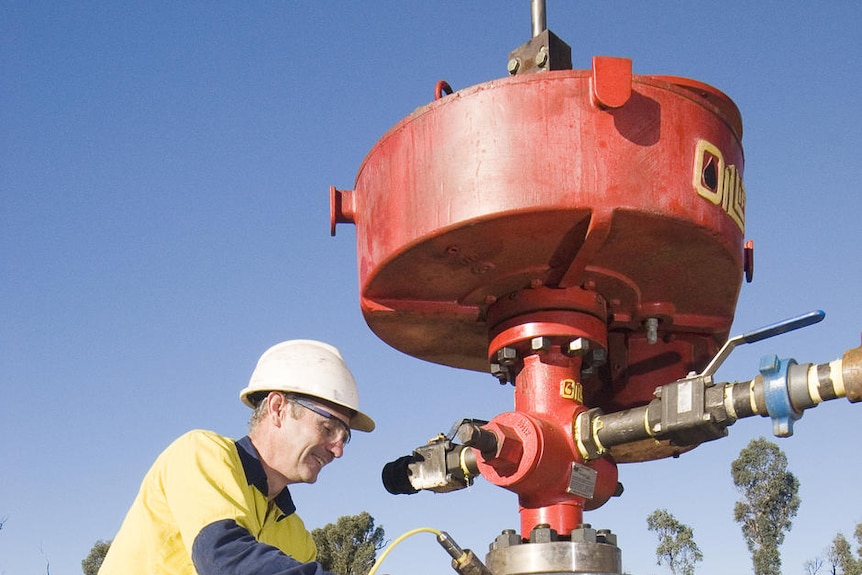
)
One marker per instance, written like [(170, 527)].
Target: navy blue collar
[(256, 476)]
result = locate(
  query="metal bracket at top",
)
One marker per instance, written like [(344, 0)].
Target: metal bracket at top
[(540, 54)]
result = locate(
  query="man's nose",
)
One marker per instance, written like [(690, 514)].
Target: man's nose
[(336, 448)]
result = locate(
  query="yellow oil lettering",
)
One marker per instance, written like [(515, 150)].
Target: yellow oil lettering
[(571, 389), (718, 183)]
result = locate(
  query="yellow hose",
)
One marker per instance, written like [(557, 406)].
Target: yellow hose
[(392, 545)]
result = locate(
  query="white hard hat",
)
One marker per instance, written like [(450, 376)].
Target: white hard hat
[(310, 368)]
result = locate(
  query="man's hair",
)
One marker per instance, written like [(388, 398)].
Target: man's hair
[(261, 407)]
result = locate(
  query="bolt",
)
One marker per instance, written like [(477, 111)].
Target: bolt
[(543, 534), (606, 536), (584, 532), (507, 538), (499, 372), (507, 355), (542, 57), (540, 344), (502, 373), (651, 325), (577, 346), (514, 65)]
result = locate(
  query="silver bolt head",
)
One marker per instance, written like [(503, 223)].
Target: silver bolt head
[(507, 355), (578, 346), (542, 57), (540, 344)]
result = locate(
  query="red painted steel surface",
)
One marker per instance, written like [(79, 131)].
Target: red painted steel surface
[(536, 448), (530, 184), (556, 205)]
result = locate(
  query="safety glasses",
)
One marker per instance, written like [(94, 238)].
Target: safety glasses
[(335, 429)]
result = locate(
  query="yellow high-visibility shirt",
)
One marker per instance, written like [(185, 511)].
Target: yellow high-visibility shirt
[(203, 503)]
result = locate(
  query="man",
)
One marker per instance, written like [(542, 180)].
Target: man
[(211, 505)]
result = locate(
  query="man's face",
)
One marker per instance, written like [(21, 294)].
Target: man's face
[(310, 439)]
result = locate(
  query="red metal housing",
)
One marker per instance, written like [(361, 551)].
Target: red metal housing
[(626, 187), (583, 229)]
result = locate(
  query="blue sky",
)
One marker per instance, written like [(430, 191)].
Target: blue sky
[(164, 175)]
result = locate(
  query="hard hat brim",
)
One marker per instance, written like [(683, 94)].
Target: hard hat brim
[(362, 422)]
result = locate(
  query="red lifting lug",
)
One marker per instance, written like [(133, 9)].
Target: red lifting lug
[(441, 89), (341, 208), (611, 81)]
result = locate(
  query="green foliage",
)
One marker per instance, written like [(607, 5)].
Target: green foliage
[(676, 547), (349, 546), (770, 499), (91, 564), (843, 556), (840, 554)]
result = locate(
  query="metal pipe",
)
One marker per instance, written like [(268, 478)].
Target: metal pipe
[(782, 394), (627, 426), (537, 12), (809, 385)]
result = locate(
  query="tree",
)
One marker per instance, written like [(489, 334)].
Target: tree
[(840, 554), (813, 566), (770, 499), (349, 546), (91, 564), (843, 556), (676, 546), (839, 557)]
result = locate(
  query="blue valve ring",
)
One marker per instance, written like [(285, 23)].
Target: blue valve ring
[(777, 394)]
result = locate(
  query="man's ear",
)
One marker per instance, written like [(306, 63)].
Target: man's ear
[(277, 404)]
